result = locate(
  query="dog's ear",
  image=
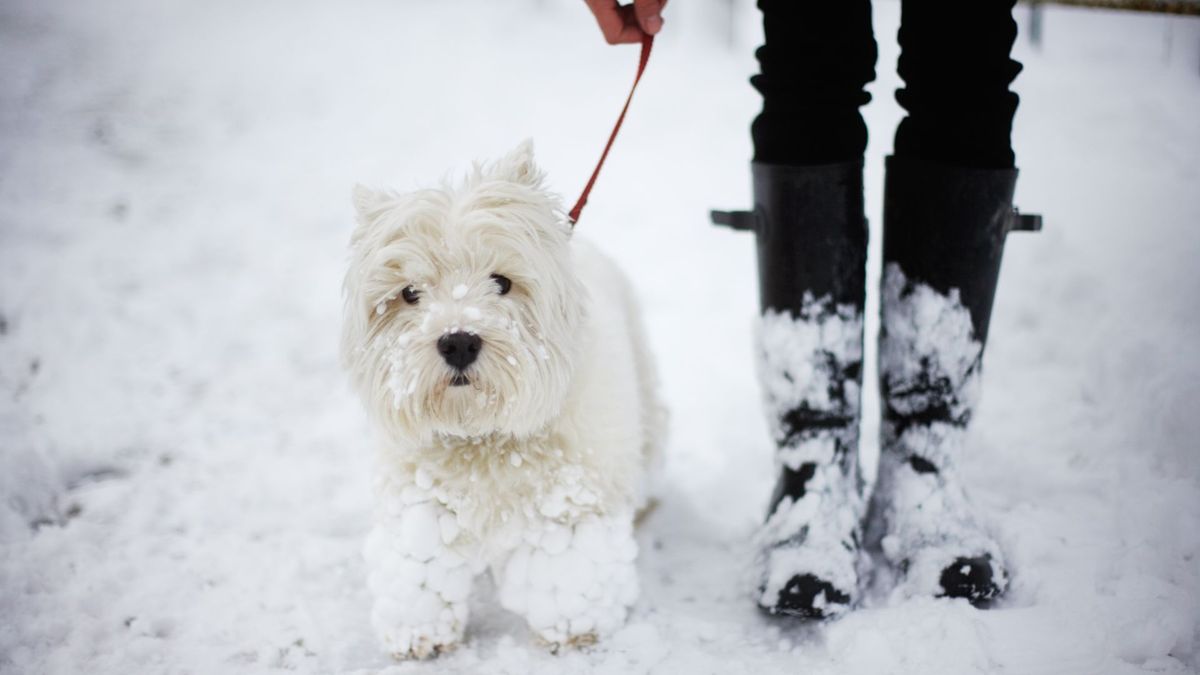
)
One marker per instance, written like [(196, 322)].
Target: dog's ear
[(518, 165), (367, 203)]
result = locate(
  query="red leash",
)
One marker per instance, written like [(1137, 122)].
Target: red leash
[(647, 42)]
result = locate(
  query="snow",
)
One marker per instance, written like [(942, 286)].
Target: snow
[(419, 581), (573, 584), (929, 348), (827, 517), (794, 354), (174, 213), (928, 521)]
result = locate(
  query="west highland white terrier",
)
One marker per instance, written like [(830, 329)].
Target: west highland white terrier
[(503, 361)]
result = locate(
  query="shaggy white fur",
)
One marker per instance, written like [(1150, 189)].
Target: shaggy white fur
[(535, 467)]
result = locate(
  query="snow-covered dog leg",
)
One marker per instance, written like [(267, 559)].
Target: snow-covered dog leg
[(573, 585), (420, 585)]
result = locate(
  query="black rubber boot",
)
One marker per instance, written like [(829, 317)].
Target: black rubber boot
[(812, 243), (944, 233)]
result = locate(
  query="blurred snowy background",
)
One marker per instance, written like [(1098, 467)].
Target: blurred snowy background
[(184, 475)]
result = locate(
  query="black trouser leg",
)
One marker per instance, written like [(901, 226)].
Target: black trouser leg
[(956, 65), (816, 61)]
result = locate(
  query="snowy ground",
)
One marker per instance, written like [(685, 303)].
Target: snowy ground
[(185, 475)]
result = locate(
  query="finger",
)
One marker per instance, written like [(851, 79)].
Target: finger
[(649, 15), (632, 31), (613, 22)]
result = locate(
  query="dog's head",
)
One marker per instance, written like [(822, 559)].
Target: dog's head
[(462, 308)]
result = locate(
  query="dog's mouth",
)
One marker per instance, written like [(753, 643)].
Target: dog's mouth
[(460, 380)]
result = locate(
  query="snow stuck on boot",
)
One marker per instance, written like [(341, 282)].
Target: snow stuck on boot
[(928, 354), (809, 367), (801, 364), (921, 519), (814, 535)]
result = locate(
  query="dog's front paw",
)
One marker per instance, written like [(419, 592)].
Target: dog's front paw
[(438, 629), (418, 626), (420, 586), (574, 585), (405, 643)]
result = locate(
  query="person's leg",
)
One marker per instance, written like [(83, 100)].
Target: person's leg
[(814, 66), (947, 209), (812, 237), (956, 65)]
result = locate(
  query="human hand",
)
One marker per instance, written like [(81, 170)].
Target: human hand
[(627, 23)]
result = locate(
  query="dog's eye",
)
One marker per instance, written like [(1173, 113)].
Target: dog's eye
[(503, 282), (410, 295)]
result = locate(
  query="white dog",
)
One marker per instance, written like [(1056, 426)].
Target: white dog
[(504, 363)]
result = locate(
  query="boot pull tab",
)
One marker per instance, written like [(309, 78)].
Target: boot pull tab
[(735, 220), (744, 220), (1024, 222)]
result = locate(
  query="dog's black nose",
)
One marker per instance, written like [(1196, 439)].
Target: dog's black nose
[(459, 349)]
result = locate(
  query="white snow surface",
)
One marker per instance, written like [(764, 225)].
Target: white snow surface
[(186, 479)]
